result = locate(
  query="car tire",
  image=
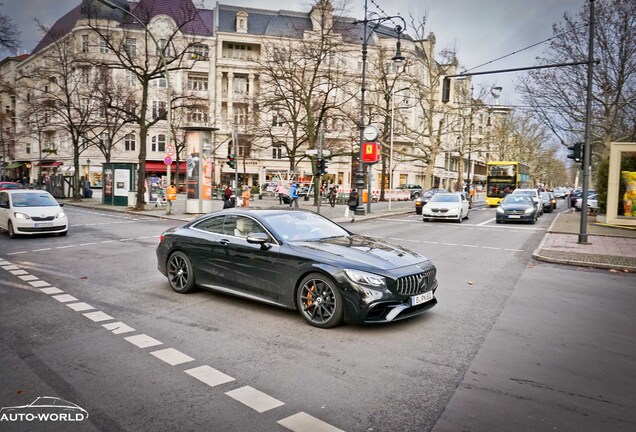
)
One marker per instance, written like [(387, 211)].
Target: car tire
[(12, 233), (416, 195), (319, 301), (180, 273), (418, 211)]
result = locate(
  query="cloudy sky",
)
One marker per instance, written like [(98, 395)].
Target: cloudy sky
[(480, 30)]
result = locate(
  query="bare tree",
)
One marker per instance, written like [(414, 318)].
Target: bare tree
[(558, 95), (304, 88), (9, 34), (171, 49)]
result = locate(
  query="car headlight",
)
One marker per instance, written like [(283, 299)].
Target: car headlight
[(60, 214), (366, 278), (21, 216), (500, 210), (529, 210)]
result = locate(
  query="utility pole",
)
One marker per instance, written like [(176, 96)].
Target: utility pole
[(321, 139)]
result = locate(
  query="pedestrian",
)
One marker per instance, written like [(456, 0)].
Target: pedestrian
[(353, 203), (246, 196), (227, 193), (333, 194), (293, 195), (281, 191)]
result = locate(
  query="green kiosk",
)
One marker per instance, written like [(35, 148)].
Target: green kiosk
[(118, 180)]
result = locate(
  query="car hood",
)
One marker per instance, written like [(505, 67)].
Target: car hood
[(359, 251), (38, 211), (510, 207), (442, 205)]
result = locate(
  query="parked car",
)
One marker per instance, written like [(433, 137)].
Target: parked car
[(534, 194), (449, 206), (10, 185), (546, 202), (416, 190), (561, 193), (421, 201), (29, 211), (298, 260), (553, 200), (517, 208), (577, 194), (592, 202)]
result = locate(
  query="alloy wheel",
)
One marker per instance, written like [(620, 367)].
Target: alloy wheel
[(180, 273), (320, 303)]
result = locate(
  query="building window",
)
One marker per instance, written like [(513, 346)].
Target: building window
[(277, 152), (129, 142), (84, 72), (199, 52), (240, 85), (158, 143), (277, 119), (130, 46), (158, 109), (103, 47), (130, 78), (160, 82), (240, 115), (84, 43), (239, 51), (197, 82), (104, 140), (162, 47), (198, 115)]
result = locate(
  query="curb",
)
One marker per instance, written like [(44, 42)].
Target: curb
[(623, 268)]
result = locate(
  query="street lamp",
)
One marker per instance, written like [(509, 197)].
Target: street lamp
[(393, 92), (398, 57), (162, 56)]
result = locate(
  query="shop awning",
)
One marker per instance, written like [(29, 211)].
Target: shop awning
[(13, 165), (50, 164), (159, 166)]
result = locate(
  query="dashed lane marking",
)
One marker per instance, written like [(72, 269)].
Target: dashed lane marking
[(18, 272), (209, 375), (154, 237), (450, 244), (249, 396), (257, 400), (28, 277)]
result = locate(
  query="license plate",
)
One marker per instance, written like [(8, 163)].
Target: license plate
[(44, 224), (421, 298), (514, 217)]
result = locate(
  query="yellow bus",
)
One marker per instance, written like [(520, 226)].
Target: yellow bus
[(502, 177)]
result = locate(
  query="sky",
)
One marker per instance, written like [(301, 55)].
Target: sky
[(479, 30)]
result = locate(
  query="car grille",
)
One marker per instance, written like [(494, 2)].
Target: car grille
[(416, 284), (443, 210), (42, 219), (515, 212)]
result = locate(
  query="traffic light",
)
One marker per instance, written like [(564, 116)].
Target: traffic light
[(577, 152), (446, 84), (231, 160), (324, 167), (320, 166)]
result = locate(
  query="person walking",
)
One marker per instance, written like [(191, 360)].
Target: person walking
[(293, 195), (333, 194), (246, 196), (281, 191), (353, 203)]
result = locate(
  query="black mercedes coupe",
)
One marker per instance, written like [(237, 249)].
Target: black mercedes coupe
[(298, 260)]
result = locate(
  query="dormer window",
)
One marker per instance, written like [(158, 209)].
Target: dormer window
[(241, 22)]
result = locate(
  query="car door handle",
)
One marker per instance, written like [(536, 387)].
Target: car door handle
[(224, 242)]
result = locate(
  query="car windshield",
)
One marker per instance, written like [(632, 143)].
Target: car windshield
[(517, 199), (445, 198), (33, 200), (303, 226), (10, 186), (545, 195)]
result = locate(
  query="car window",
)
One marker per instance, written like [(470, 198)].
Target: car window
[(33, 200), (445, 198), (303, 226), (246, 226), (517, 199), (4, 198), (213, 225)]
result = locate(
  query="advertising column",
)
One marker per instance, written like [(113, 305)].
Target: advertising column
[(200, 169)]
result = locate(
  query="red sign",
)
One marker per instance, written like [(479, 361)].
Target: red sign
[(167, 160), (371, 152)]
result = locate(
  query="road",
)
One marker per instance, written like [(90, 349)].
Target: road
[(226, 364)]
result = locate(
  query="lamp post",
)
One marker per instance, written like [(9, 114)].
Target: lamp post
[(393, 92), (397, 58), (160, 50)]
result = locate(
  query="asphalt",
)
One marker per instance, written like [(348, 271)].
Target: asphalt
[(605, 246)]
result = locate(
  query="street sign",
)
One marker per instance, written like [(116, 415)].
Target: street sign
[(170, 150), (167, 160)]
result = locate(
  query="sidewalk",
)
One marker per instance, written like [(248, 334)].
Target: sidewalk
[(607, 246)]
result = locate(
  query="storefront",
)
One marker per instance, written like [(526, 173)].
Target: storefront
[(621, 184)]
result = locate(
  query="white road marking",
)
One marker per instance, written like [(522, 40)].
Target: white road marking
[(11, 267), (143, 341), (41, 250), (4, 263), (255, 399), (108, 241), (118, 327), (490, 247), (486, 222), (209, 375), (51, 290), (472, 246), (19, 272), (514, 250), (126, 239), (303, 422), (172, 356), (65, 298), (18, 253), (65, 247), (28, 277), (98, 316), (39, 283), (80, 307), (88, 244)]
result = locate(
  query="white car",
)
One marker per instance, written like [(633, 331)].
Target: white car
[(28, 212), (452, 205), (592, 202)]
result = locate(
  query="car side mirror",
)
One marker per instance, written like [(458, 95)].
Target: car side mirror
[(259, 238)]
